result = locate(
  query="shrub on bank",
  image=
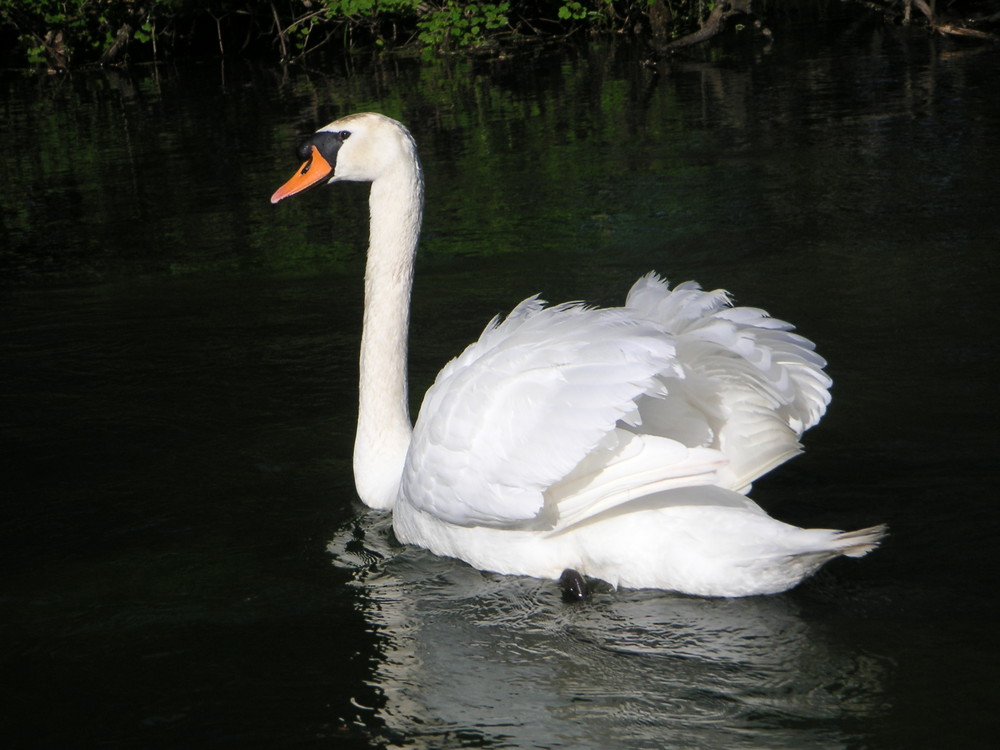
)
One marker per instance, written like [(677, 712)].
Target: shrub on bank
[(65, 34)]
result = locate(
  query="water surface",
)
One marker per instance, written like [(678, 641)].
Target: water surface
[(184, 559)]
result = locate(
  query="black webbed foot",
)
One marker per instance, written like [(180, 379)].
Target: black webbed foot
[(573, 586)]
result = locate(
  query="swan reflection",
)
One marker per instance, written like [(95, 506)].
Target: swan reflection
[(466, 656)]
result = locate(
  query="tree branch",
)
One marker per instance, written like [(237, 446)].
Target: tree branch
[(712, 26)]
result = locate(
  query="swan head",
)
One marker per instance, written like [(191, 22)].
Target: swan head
[(360, 148)]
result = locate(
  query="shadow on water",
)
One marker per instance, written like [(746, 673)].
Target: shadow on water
[(178, 397)]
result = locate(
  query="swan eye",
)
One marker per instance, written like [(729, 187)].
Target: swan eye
[(343, 135)]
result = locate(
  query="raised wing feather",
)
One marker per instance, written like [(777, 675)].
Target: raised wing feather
[(750, 385), (522, 406)]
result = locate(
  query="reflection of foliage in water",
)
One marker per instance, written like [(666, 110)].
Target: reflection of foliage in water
[(97, 165), (160, 171)]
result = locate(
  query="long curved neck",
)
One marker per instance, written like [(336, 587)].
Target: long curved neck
[(384, 428)]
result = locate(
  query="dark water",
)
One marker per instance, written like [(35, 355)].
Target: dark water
[(184, 563)]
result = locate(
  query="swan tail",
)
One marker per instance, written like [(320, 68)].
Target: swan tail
[(860, 542)]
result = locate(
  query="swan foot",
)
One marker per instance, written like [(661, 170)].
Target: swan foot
[(573, 586)]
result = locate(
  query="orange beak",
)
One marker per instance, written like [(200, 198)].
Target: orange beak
[(314, 170)]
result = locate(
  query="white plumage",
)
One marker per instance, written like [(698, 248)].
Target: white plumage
[(618, 442)]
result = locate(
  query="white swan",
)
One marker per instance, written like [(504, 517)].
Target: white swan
[(615, 442)]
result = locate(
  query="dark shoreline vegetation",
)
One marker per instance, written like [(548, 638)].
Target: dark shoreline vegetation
[(62, 35)]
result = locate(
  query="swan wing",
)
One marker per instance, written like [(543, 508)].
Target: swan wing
[(560, 414), (521, 407), (750, 386)]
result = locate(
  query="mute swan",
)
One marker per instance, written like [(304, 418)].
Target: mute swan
[(615, 443)]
